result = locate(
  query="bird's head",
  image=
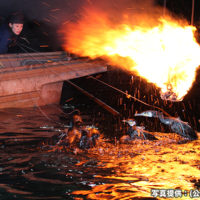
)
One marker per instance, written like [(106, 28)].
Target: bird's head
[(130, 122), (77, 120), (148, 113)]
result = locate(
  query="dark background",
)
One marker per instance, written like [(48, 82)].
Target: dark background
[(44, 18)]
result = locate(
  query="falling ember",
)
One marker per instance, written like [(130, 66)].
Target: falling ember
[(165, 53)]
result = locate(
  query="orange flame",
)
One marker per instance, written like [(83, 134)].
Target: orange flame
[(165, 53)]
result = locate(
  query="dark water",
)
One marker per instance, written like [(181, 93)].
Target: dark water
[(32, 166)]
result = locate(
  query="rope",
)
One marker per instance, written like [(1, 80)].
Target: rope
[(130, 96)]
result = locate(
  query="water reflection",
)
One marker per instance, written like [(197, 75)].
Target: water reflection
[(32, 166)]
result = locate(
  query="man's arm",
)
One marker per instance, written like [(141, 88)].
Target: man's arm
[(4, 41)]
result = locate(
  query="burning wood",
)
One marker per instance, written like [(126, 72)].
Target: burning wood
[(163, 51), (169, 94)]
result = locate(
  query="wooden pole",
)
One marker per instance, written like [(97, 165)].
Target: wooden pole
[(95, 99), (164, 7), (192, 15)]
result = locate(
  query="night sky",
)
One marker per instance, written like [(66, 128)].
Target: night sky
[(57, 11), (49, 15), (183, 8)]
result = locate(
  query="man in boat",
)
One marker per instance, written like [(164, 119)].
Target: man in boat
[(10, 33)]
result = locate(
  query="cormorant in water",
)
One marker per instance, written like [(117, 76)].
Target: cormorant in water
[(136, 132), (79, 135), (176, 125)]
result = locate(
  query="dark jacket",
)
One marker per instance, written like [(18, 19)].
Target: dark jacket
[(7, 38)]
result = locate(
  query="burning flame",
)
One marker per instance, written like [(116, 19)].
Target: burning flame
[(165, 53)]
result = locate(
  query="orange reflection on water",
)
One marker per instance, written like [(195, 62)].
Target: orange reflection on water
[(139, 167)]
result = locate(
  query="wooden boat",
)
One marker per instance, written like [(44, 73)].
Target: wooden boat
[(36, 79)]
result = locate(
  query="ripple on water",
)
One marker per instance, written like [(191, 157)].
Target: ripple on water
[(32, 166)]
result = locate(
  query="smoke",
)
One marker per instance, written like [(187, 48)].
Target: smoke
[(128, 11), (95, 17)]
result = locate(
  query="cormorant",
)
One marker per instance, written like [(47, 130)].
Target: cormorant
[(79, 135), (136, 132), (176, 124)]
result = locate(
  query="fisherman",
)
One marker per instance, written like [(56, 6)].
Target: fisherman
[(10, 33)]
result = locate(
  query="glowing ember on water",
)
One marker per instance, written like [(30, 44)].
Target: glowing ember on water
[(163, 51)]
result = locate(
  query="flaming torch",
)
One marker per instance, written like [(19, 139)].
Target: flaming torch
[(165, 53)]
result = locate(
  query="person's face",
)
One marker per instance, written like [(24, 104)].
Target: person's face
[(16, 28)]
